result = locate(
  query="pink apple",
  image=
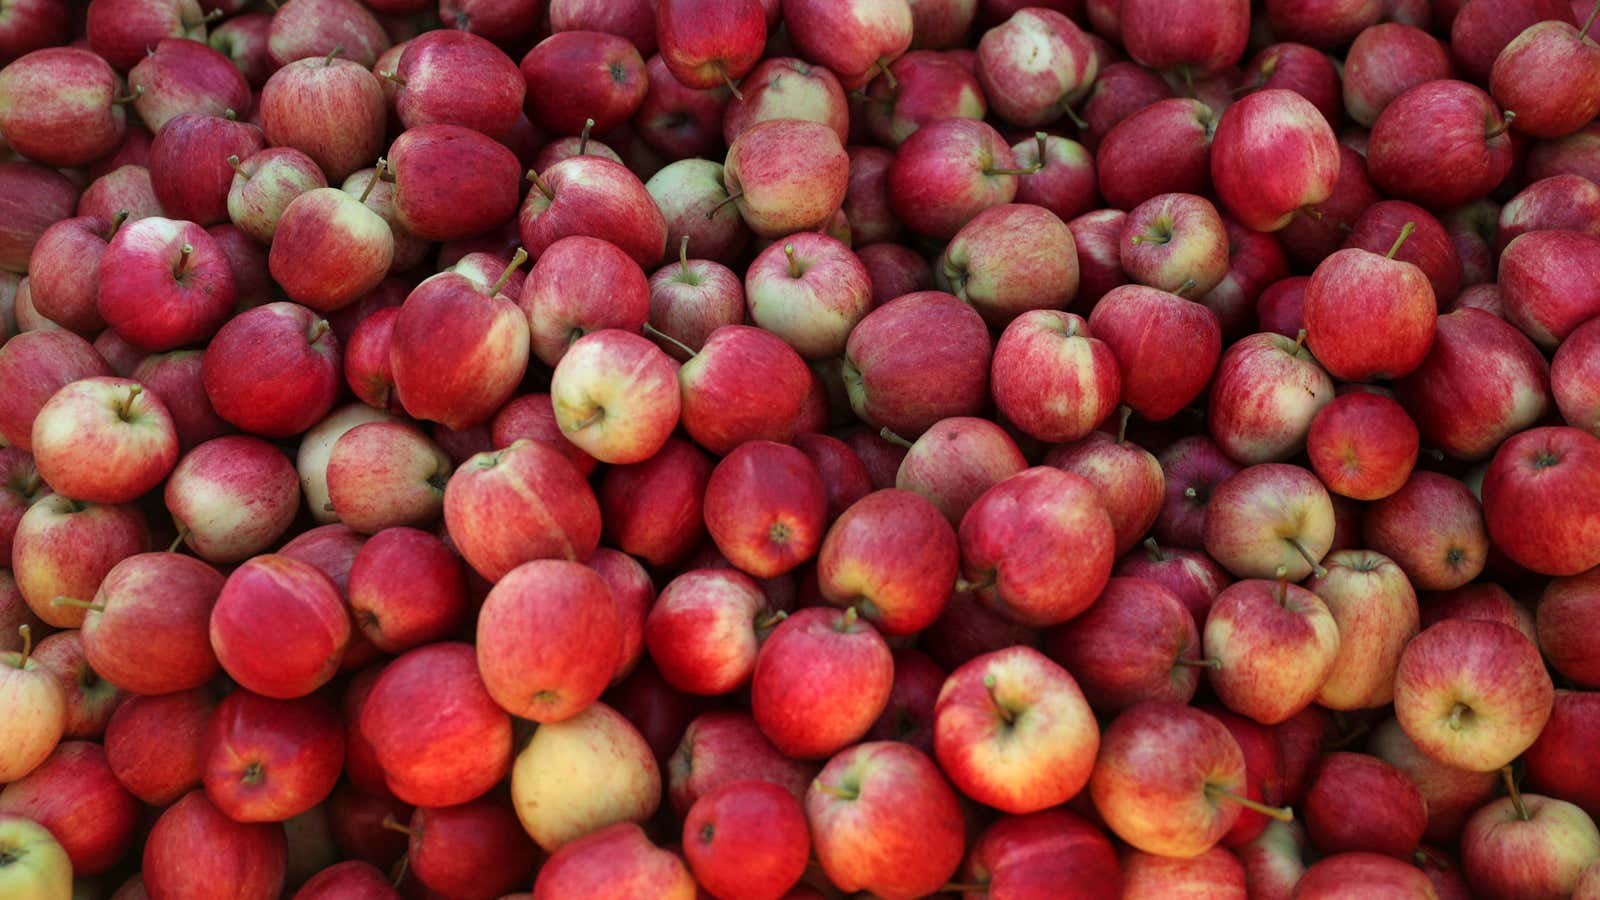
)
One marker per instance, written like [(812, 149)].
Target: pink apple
[(1269, 520), (1266, 392), (63, 548), (1035, 66), (72, 115), (148, 631), (653, 509), (810, 290), (766, 508), (855, 38), (893, 353), (580, 285), (820, 682)]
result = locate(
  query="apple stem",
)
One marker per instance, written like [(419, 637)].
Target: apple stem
[(118, 219), (177, 542), (1281, 813), (848, 620), (888, 76), (1076, 119), (1124, 413), (1191, 493), (1316, 567), (78, 604), (1283, 585), (211, 16), (832, 791), (377, 173), (794, 264), (1154, 549), (1299, 340), (133, 94), (543, 188), (1006, 714), (1502, 127), (1455, 716), (318, 329), (401, 870), (233, 163), (658, 334), (1584, 31), (1042, 140), (1188, 80), (183, 260), (1201, 663), (1516, 795), (771, 621), (1315, 214), (517, 259), (593, 419), (393, 824), (1187, 286), (27, 645), (683, 256), (1433, 453), (394, 77), (583, 137), (1029, 169), (732, 198), (337, 50), (125, 408), (1405, 232), (729, 82), (960, 887), (230, 114), (893, 438), (966, 586)]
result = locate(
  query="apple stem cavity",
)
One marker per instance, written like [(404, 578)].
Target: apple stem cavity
[(517, 259), (732, 198), (1316, 567), (377, 173), (125, 408), (1006, 715), (1516, 795), (893, 438), (135, 93), (1456, 712), (594, 418), (183, 261), (658, 334), (1405, 232), (1281, 813), (545, 188)]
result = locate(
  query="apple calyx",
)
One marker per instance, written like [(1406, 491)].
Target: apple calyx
[(253, 774), (894, 439), (1516, 795), (1281, 813), (732, 198), (1405, 232), (795, 271), (1316, 566), (183, 261), (377, 172), (517, 259), (133, 94), (545, 188), (658, 334)]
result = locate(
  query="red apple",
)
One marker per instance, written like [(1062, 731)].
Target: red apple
[(406, 589), (452, 183), (165, 284), (580, 285), (522, 503), (1546, 75), (321, 27), (549, 638), (104, 440), (949, 171), (1205, 36), (1528, 845), (1166, 347), (766, 508), (577, 75), (73, 114), (1542, 481), (892, 557), (921, 87), (232, 497), (1554, 762), (1042, 851), (269, 760), (74, 794), (64, 270), (820, 682), (1544, 281), (1358, 803), (743, 384), (855, 38), (35, 198), (1464, 143), (63, 548), (472, 849), (747, 838), (153, 745), (296, 610), (250, 858), (1353, 875), (1273, 154), (613, 863), (690, 195), (148, 629), (1137, 642), (956, 460), (1362, 445), (720, 748), (894, 352), (186, 76), (1266, 392), (1276, 646), (329, 108), (653, 509), (788, 175), (594, 197), (615, 395), (1035, 66)]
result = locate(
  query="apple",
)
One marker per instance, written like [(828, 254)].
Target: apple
[(677, 121), (366, 361), (1272, 131), (186, 76), (947, 172), (269, 760), (104, 440), (921, 87), (820, 681), (1528, 845), (522, 503), (1369, 316), (1065, 181), (434, 91), (296, 610), (1542, 481), (406, 589), (386, 474), (1276, 646), (615, 395), (1546, 76), (251, 858), (595, 197), (331, 109), (766, 508), (64, 270), (165, 284), (533, 416), (690, 195), (908, 716), (1192, 576), (1362, 445), (1559, 203), (1362, 875), (452, 183), (232, 497), (705, 630), (1192, 468), (1166, 347), (1128, 477), (1553, 766), (329, 249), (35, 863), (747, 838), (810, 290), (265, 184), (1266, 393), (580, 285), (582, 74), (1465, 141), (895, 270), (152, 743), (786, 175), (1472, 694), (1563, 614), (1217, 871), (1035, 66), (581, 774), (654, 509), (856, 39), (742, 384), (74, 112), (915, 360), (32, 26), (706, 46), (1542, 281), (64, 548), (1137, 642), (1375, 609), (892, 557), (1451, 794), (1270, 520), (956, 460), (242, 39), (614, 863), (147, 631), (90, 699), (124, 188), (355, 879), (1052, 378), (1040, 851), (1359, 803), (724, 747), (1203, 37), (39, 710), (472, 849), (1010, 259), (36, 198), (689, 301), (883, 819), (1176, 243), (323, 27)]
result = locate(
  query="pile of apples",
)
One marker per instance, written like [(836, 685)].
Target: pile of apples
[(797, 449)]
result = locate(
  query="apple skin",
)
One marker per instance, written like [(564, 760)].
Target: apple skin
[(1065, 182), (1040, 852), (1544, 281), (70, 118), (494, 522), (434, 91), (1266, 392), (1255, 520), (1485, 677), (1034, 66), (1532, 846), (1159, 763), (63, 548), (36, 198), (186, 76), (250, 857), (747, 839), (1052, 378), (1547, 75), (1166, 347), (1207, 36), (615, 394), (104, 440), (556, 777), (270, 760), (153, 634), (1275, 131), (1554, 762), (1127, 476), (1363, 445), (1367, 875), (242, 40), (928, 86), (315, 29), (1011, 259), (676, 121), (821, 680), (1215, 873), (1277, 644), (572, 655), (576, 75), (350, 880), (433, 207), (460, 751), (64, 270), (766, 508), (580, 285), (1543, 482), (153, 746), (232, 497), (1481, 600), (854, 38), (1564, 626), (947, 172), (654, 509), (273, 370), (1013, 539), (617, 862), (330, 109), (20, 488), (1358, 803), (1384, 61), (329, 249), (956, 461), (1017, 767), (692, 299), (1193, 577), (90, 699), (296, 610), (893, 557), (1375, 609), (74, 794), (1465, 138), (265, 184), (124, 188), (1451, 794), (810, 290), (189, 165), (150, 306), (1130, 647), (744, 384), (790, 175), (883, 819), (1563, 202), (915, 360), (1482, 382), (406, 588), (689, 193), (1427, 246), (366, 361), (595, 197)]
